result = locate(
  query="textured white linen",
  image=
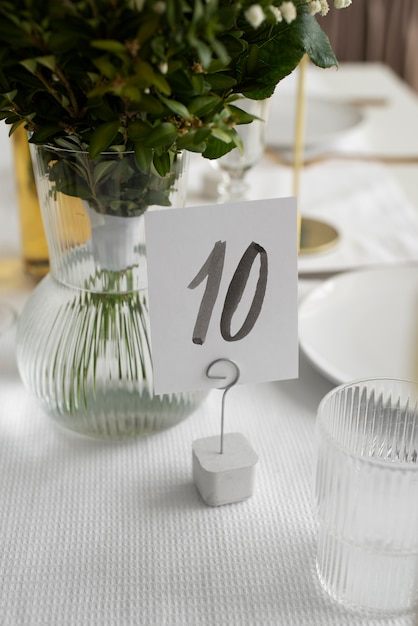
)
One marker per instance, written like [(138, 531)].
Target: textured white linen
[(376, 222), (116, 534)]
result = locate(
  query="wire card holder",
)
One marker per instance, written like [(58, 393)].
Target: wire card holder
[(224, 466)]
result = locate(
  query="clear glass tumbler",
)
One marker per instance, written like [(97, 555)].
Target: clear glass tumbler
[(366, 495)]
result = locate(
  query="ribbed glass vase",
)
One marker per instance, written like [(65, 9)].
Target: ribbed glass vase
[(83, 338)]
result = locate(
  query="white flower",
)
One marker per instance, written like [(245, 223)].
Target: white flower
[(342, 4), (254, 15), (324, 7), (289, 12), (163, 67), (276, 12), (314, 7)]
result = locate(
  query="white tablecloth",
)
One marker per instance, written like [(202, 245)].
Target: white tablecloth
[(116, 534)]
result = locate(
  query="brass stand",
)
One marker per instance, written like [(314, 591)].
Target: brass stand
[(316, 236)]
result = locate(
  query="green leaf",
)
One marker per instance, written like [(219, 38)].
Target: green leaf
[(199, 86), (148, 29), (222, 135), (197, 147), (105, 67), (66, 143), (110, 45), (186, 140), (316, 43), (78, 189), (138, 129), (102, 169), (15, 126), (204, 52), (43, 134), (162, 84), (240, 116), (119, 206), (220, 81), (202, 134), (233, 45), (11, 95), (221, 52), (235, 137), (143, 156), (155, 197), (161, 135), (202, 105), (47, 61), (131, 93), (145, 70), (181, 83), (151, 105), (194, 140), (11, 119), (215, 148), (162, 164), (252, 58), (158, 44), (281, 53), (176, 107), (30, 65), (102, 137)]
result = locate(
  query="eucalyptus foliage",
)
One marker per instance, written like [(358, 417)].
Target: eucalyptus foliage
[(149, 76)]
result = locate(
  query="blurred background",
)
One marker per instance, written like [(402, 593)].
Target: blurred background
[(377, 30)]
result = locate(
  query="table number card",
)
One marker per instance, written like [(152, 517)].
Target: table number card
[(222, 283)]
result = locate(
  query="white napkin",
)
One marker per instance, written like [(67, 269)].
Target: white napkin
[(376, 222)]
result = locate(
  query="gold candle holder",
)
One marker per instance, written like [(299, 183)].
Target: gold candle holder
[(313, 235), (33, 242)]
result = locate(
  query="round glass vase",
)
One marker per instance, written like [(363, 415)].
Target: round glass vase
[(83, 337)]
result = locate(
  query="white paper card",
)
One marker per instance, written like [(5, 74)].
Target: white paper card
[(222, 283)]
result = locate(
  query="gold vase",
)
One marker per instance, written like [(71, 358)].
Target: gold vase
[(33, 242)]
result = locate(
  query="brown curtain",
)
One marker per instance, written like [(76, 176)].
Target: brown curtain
[(377, 30)]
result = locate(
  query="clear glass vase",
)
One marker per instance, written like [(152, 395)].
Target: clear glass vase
[(83, 338)]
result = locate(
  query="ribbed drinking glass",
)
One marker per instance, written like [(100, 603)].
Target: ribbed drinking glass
[(366, 495)]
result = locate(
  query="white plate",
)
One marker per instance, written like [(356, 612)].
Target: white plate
[(325, 121), (363, 324)]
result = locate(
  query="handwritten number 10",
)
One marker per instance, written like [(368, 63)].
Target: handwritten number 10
[(212, 270)]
